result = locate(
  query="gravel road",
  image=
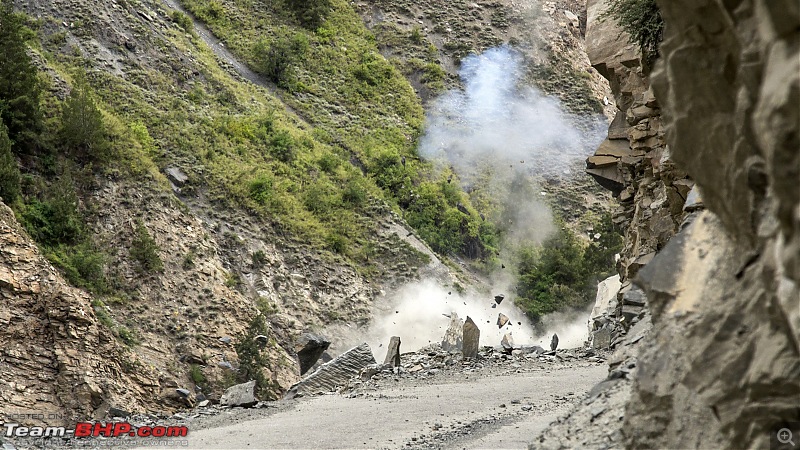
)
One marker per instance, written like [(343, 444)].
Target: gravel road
[(477, 410)]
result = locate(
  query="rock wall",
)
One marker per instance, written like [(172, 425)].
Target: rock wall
[(635, 164), (720, 367), (723, 369), (57, 362)]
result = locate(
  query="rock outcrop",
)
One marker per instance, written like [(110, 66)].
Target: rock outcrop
[(720, 367), (57, 362)]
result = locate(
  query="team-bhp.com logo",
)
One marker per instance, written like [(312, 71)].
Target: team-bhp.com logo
[(86, 429)]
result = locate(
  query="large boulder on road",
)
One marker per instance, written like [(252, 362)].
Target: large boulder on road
[(334, 374)]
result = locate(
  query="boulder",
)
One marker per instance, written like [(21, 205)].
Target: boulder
[(573, 18), (453, 337), (605, 306), (693, 200), (331, 375), (176, 176), (605, 303), (312, 347), (393, 352), (601, 339), (508, 343), (240, 395), (471, 339)]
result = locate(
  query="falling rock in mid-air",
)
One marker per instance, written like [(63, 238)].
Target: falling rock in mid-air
[(502, 320)]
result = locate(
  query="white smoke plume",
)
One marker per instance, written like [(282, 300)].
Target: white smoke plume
[(418, 314)]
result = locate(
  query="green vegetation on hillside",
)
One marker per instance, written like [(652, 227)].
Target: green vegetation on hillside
[(316, 164), (563, 272), (61, 144), (360, 105), (319, 178), (642, 20), (9, 171), (20, 90)]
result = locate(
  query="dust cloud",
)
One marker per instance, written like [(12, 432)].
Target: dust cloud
[(418, 313), (496, 122), (501, 138)]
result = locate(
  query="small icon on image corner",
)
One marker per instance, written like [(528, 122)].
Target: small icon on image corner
[(785, 437)]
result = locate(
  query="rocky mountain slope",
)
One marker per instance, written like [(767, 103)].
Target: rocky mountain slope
[(705, 166), (230, 229)]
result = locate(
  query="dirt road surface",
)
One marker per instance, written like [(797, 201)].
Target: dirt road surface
[(482, 410)]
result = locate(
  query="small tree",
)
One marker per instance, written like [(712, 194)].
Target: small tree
[(83, 129), (254, 358), (19, 85), (9, 172)]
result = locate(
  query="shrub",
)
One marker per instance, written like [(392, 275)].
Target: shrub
[(354, 193), (145, 250), (83, 265), (373, 70), (642, 20), (319, 197), (188, 260), (336, 243), (55, 219), (182, 20), (261, 190), (196, 374), (329, 162), (253, 357), (9, 172), (127, 336), (259, 258), (212, 11), (282, 146), (276, 59), (310, 13), (416, 35)]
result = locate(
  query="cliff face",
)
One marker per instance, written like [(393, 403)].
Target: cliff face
[(58, 362), (724, 293), (720, 366)]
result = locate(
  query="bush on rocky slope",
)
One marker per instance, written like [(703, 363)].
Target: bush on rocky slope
[(9, 172), (642, 20)]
